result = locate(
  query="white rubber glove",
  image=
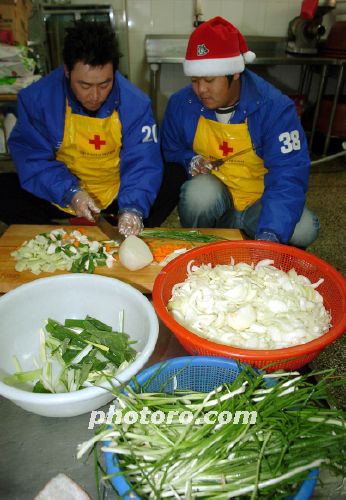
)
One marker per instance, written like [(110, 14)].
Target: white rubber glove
[(199, 165), (84, 205), (130, 223)]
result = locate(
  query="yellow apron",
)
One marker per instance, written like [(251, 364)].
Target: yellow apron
[(243, 176), (90, 149)]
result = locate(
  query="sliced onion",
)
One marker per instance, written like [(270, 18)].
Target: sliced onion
[(254, 307)]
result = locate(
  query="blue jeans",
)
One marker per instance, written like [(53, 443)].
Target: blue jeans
[(205, 202)]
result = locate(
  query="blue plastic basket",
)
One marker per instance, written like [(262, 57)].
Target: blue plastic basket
[(197, 373)]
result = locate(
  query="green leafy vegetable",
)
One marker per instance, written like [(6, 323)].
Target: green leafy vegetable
[(40, 388), (76, 354)]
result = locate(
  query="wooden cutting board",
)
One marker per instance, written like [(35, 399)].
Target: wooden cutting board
[(17, 234)]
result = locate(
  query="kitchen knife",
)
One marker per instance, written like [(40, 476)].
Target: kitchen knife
[(221, 161), (111, 231)]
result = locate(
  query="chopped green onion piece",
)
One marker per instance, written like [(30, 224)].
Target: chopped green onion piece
[(23, 376), (181, 235), (83, 351)]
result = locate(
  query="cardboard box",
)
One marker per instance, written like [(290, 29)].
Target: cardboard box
[(14, 20)]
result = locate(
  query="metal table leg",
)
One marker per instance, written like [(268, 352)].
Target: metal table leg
[(318, 103), (302, 79), (308, 80), (333, 110), (154, 85)]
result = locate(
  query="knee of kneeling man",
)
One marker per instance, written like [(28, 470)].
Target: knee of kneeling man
[(307, 229), (203, 188)]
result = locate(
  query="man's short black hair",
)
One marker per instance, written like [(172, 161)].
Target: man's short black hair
[(90, 43)]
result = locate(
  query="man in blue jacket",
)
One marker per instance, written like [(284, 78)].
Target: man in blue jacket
[(86, 139), (230, 114)]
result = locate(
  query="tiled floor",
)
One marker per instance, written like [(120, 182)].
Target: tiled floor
[(327, 197)]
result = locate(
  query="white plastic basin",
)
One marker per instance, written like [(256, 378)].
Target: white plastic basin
[(24, 310)]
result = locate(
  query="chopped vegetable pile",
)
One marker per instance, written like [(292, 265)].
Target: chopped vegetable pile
[(61, 250), (76, 354), (267, 456), (251, 307)]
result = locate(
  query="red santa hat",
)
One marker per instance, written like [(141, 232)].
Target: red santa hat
[(216, 48)]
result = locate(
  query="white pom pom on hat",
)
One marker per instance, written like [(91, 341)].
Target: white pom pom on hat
[(216, 48)]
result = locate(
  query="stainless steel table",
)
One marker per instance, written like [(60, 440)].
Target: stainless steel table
[(270, 51)]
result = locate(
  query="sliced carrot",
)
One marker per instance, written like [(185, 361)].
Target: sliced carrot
[(160, 252), (76, 243)]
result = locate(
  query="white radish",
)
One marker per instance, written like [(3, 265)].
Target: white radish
[(134, 253)]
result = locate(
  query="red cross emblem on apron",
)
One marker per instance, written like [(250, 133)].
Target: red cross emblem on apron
[(98, 142), (225, 149)]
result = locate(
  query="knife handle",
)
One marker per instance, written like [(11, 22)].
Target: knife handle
[(220, 161)]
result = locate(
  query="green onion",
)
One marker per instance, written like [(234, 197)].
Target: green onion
[(294, 432), (82, 351), (23, 376), (192, 235)]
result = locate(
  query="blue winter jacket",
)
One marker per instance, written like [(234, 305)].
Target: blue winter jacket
[(39, 131), (276, 132)]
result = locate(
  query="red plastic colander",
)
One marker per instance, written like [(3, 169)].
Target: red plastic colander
[(333, 291)]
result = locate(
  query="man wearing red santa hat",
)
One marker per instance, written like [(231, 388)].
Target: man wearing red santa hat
[(228, 110)]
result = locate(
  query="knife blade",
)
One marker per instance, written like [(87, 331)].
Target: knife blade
[(221, 161), (111, 231)]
